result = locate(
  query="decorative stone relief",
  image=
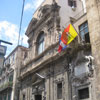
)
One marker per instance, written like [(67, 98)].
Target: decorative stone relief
[(83, 78), (59, 80), (90, 65), (43, 10)]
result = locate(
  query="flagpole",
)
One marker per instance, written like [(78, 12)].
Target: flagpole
[(77, 32)]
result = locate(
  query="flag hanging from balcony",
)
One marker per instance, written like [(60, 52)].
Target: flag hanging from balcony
[(67, 36)]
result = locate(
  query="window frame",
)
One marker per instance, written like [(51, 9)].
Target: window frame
[(40, 43), (81, 90), (24, 96), (60, 89), (84, 26), (9, 95), (11, 78), (72, 3)]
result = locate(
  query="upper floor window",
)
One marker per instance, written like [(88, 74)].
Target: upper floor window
[(72, 3), (84, 32), (40, 42)]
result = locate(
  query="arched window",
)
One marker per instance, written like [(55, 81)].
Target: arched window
[(40, 42)]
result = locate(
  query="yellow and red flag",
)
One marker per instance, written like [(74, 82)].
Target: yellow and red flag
[(67, 36)]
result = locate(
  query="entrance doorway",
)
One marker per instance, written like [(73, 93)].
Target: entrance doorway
[(38, 97)]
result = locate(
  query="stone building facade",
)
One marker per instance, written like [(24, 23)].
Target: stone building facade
[(46, 74), (40, 72), (93, 16), (9, 73)]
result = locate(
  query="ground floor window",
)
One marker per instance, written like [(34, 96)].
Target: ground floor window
[(5, 97), (9, 96), (59, 90), (38, 97), (23, 96), (0, 97), (83, 93)]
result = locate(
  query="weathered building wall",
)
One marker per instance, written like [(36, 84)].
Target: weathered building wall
[(10, 73), (53, 73), (93, 15), (72, 70), (66, 12)]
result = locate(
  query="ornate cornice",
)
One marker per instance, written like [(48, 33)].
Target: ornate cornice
[(70, 51), (47, 11)]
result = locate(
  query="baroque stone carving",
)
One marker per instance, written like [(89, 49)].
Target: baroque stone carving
[(83, 78)]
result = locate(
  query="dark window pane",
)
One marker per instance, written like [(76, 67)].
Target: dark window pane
[(41, 43), (5, 97), (23, 96), (11, 78), (59, 91), (87, 39), (38, 97), (0, 97), (9, 96), (84, 32), (72, 3), (83, 93)]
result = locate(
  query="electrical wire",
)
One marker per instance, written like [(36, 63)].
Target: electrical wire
[(21, 21)]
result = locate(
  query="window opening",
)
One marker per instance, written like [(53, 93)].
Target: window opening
[(41, 43), (59, 91), (23, 96), (72, 3), (84, 32), (83, 93), (38, 97)]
